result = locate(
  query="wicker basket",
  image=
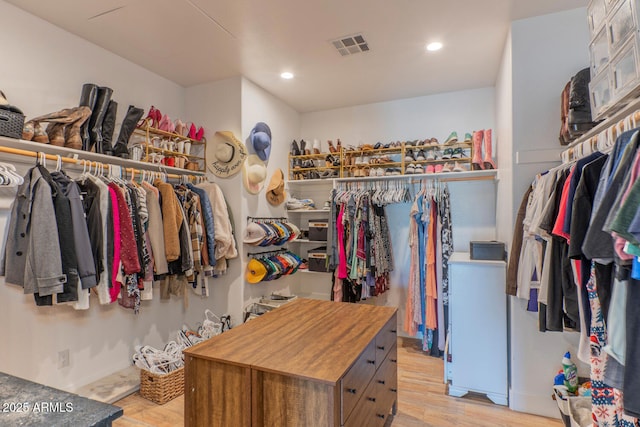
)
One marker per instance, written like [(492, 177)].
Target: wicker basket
[(161, 388), (11, 124)]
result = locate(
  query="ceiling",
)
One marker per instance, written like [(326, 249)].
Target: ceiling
[(198, 41)]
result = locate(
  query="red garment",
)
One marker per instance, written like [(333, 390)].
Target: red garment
[(114, 290), (342, 255), (562, 209), (128, 244)]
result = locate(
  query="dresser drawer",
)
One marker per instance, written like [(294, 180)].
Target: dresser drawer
[(386, 339), (386, 380), (364, 413), (355, 381)]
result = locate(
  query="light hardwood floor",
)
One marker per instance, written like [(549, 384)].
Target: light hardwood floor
[(422, 401)]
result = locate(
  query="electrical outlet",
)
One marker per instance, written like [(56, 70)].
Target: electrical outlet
[(63, 359)]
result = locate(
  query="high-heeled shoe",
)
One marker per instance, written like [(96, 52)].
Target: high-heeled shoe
[(180, 127), (316, 146), (192, 131), (338, 145), (200, 134), (303, 147), (166, 124), (332, 148)]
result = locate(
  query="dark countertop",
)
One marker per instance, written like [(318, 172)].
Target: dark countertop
[(25, 403)]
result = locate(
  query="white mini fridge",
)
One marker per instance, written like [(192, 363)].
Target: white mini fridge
[(477, 358)]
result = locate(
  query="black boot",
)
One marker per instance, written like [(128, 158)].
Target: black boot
[(108, 127), (87, 99), (129, 123), (97, 116)]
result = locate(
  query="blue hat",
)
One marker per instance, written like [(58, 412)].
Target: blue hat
[(261, 140)]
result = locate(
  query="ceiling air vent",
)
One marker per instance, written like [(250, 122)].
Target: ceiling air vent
[(349, 45)]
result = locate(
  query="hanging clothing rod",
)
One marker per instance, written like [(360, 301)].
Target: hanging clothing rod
[(482, 175), (81, 162), (606, 130)]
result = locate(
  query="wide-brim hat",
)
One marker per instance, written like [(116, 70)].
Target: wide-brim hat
[(261, 140), (228, 154), (254, 174), (256, 271), (275, 190)]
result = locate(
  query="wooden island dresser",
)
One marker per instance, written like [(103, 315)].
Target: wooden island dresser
[(309, 363)]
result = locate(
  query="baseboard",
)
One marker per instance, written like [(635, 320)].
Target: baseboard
[(535, 404)]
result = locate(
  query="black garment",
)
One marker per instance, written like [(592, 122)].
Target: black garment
[(62, 209), (583, 204), (598, 243), (91, 204), (138, 232)]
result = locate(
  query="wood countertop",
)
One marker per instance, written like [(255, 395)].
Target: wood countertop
[(306, 338)]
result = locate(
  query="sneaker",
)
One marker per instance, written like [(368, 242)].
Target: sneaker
[(420, 156), (396, 171), (409, 156), (437, 154), (457, 153), (458, 168), (380, 172), (431, 155), (430, 169), (452, 139), (411, 169), (439, 168), (446, 168), (448, 152), (467, 138), (419, 169)]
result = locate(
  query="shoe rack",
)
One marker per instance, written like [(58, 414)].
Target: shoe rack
[(161, 147), (401, 158)]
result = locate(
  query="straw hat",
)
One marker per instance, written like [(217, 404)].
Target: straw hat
[(228, 154), (254, 174), (275, 190)]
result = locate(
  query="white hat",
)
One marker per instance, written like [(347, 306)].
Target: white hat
[(229, 154), (254, 174)]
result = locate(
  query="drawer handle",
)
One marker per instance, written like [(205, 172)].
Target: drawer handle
[(395, 390), (371, 399), (351, 390), (381, 382), (371, 362), (380, 347), (380, 416), (394, 331), (394, 360)]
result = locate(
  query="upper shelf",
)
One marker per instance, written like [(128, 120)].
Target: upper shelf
[(87, 155)]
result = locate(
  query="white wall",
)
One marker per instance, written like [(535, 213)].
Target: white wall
[(418, 118), (44, 72), (546, 51), (217, 106), (258, 105)]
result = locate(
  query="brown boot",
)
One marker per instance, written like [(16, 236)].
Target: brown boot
[(488, 161), (55, 132), (68, 115), (28, 130), (476, 161), (72, 135), (39, 135)]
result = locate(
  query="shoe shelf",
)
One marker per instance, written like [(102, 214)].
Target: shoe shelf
[(182, 157), (358, 163)]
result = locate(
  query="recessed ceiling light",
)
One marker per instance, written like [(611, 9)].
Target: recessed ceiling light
[(287, 75), (432, 47)]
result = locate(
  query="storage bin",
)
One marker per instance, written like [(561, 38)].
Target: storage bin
[(318, 259), (161, 388), (11, 124), (318, 229), (624, 69), (601, 94), (620, 24), (599, 53), (596, 11), (487, 251)]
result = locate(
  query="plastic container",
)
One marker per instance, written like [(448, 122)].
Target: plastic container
[(570, 373)]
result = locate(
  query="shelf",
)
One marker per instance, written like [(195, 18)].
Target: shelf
[(313, 272), (169, 135), (308, 210), (452, 160), (87, 155), (315, 242), (371, 152), (465, 258), (319, 182), (448, 176), (173, 153), (312, 156), (315, 168)]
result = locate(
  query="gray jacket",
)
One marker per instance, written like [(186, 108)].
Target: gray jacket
[(32, 251)]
